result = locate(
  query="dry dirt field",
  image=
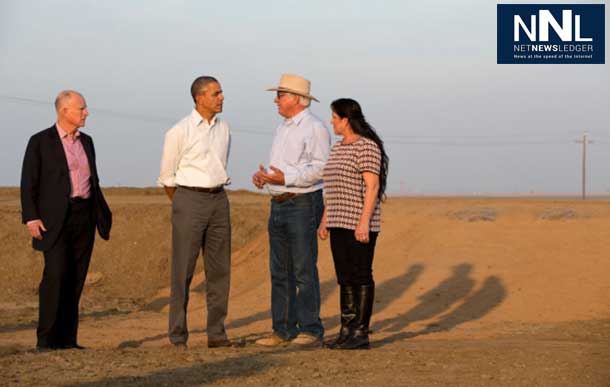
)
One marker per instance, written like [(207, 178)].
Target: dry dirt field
[(470, 292)]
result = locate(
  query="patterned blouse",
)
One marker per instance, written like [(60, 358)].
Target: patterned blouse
[(344, 186)]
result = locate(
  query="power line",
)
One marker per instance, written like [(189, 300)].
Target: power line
[(26, 101), (475, 144), (389, 139), (407, 136), (142, 117), (119, 114)]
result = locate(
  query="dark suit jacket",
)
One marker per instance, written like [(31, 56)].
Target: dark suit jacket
[(45, 186)]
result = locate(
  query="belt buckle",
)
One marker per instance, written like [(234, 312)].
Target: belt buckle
[(281, 198)]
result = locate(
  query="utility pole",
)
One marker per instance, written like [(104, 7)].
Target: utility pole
[(584, 143)]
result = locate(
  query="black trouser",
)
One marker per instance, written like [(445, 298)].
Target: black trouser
[(353, 259), (65, 270)]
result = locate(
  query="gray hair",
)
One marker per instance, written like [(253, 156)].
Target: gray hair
[(63, 97), (304, 101), (200, 84)]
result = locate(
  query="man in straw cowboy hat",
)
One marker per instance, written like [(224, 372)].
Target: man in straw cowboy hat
[(301, 145)]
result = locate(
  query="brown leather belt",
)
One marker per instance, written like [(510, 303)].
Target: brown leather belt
[(202, 189), (285, 196)]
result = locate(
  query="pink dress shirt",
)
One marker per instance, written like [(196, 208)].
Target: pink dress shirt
[(77, 163)]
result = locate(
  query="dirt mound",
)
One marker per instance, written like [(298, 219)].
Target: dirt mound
[(558, 214), (484, 214)]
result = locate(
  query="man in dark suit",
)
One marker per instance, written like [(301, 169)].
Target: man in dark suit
[(62, 204)]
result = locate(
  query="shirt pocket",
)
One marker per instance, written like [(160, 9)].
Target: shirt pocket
[(307, 154)]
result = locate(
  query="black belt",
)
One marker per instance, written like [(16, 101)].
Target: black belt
[(202, 189), (78, 199)]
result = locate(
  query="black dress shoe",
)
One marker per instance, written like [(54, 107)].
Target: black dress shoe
[(219, 343)]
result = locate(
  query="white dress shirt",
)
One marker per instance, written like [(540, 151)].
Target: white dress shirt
[(301, 145), (195, 153)]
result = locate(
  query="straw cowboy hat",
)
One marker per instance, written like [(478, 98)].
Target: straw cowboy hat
[(294, 84)]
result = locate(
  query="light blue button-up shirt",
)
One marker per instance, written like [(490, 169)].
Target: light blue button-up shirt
[(300, 148)]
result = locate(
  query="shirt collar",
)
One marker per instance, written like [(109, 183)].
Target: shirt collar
[(63, 134), (296, 119), (196, 118)]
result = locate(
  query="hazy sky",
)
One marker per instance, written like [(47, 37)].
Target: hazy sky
[(425, 74)]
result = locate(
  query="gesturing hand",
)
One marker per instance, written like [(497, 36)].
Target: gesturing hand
[(276, 177), (257, 178)]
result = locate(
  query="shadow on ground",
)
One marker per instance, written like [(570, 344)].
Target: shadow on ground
[(474, 306), (199, 374), (452, 302), (8, 328), (386, 292), (435, 301)]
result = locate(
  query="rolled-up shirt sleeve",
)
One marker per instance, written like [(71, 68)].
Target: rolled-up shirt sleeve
[(308, 173), (170, 158)]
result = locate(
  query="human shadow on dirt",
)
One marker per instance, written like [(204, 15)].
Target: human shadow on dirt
[(476, 305), (198, 374), (435, 301), (386, 292), (8, 328), (159, 303), (156, 305), (17, 327)]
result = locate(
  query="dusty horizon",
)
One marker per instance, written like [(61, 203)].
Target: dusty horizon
[(508, 195)]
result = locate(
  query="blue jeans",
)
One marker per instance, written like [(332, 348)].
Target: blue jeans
[(295, 286)]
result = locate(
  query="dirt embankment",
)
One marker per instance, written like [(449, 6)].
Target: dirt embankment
[(470, 292), (126, 272)]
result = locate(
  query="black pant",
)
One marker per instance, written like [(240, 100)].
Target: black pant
[(353, 259), (65, 270)]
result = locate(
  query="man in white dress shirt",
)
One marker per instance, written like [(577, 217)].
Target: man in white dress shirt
[(194, 173), (301, 145)]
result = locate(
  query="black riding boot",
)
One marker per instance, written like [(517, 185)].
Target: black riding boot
[(348, 315), (359, 337)]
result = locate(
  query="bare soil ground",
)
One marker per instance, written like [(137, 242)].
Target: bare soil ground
[(470, 292)]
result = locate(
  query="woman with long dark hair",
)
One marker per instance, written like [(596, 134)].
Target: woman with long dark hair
[(355, 178)]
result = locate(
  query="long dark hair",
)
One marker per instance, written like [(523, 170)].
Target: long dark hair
[(350, 109)]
